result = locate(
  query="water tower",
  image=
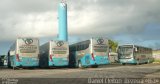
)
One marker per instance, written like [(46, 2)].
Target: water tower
[(62, 21)]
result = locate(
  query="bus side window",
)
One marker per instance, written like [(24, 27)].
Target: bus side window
[(83, 46), (80, 47), (77, 47)]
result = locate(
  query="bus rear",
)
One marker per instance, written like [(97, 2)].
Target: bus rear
[(59, 53), (100, 50), (27, 52)]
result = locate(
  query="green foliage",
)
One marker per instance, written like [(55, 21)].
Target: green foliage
[(157, 60), (113, 45)]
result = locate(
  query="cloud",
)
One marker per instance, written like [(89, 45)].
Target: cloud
[(38, 18)]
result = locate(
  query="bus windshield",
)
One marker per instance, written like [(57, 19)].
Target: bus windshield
[(60, 48), (125, 52)]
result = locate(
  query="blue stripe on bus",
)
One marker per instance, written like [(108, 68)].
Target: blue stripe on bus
[(59, 62), (24, 61), (87, 60), (133, 61), (130, 61), (101, 60)]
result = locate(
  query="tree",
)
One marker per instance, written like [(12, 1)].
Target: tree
[(113, 45)]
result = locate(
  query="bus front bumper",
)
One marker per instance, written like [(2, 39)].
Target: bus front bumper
[(128, 61)]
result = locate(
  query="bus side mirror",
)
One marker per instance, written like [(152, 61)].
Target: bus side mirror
[(117, 49), (135, 49)]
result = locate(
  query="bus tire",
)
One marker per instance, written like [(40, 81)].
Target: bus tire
[(79, 64), (94, 66), (138, 63), (146, 62), (123, 63), (15, 68)]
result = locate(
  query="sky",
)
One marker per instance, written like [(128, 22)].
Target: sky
[(124, 21)]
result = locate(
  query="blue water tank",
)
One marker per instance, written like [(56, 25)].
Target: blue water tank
[(62, 21)]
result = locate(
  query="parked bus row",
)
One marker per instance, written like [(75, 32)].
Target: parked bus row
[(26, 52)]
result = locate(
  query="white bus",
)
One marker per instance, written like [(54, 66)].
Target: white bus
[(24, 53), (133, 54), (91, 52), (54, 54)]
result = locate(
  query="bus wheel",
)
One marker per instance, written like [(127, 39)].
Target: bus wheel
[(138, 62), (146, 62), (94, 66), (123, 63), (80, 64)]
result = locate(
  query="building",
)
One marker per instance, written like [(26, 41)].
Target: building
[(156, 54)]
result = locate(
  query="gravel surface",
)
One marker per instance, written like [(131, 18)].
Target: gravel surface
[(107, 71)]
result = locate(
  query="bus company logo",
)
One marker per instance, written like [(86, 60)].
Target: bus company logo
[(60, 43), (28, 41), (100, 41)]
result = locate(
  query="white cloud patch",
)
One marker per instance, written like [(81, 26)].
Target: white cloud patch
[(27, 25), (38, 18)]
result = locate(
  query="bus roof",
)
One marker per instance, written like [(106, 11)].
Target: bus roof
[(27, 37), (134, 45), (87, 40), (81, 42)]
